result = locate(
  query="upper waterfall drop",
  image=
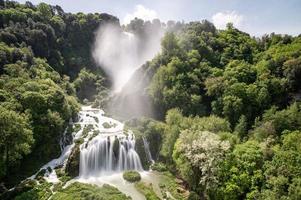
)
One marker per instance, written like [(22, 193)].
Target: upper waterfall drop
[(116, 51), (121, 51)]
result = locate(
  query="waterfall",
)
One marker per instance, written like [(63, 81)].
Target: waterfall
[(116, 51), (147, 150), (106, 148), (111, 150)]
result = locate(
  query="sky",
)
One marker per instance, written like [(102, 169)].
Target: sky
[(256, 17)]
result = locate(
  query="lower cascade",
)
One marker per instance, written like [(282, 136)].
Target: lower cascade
[(107, 148), (107, 154)]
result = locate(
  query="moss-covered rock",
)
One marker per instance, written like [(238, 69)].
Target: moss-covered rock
[(49, 169), (87, 129), (116, 147), (41, 173), (108, 125), (79, 141), (72, 166), (81, 191), (76, 128), (96, 119), (131, 176), (95, 133)]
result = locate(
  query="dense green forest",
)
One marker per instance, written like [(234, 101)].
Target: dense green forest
[(228, 111), (45, 68), (232, 111)]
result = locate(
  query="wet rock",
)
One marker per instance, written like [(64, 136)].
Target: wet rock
[(116, 147), (141, 152), (41, 173), (72, 166), (49, 169)]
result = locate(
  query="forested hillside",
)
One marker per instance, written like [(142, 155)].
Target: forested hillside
[(227, 110), (45, 70), (232, 111)]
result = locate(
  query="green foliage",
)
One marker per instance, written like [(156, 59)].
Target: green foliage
[(147, 191), (151, 131), (171, 187), (38, 45), (230, 101), (193, 196), (87, 84), (197, 155), (131, 176), (283, 171), (64, 39), (80, 191), (274, 122), (41, 192), (241, 127), (170, 88), (176, 122), (241, 174), (247, 88), (45, 10), (15, 140), (158, 166), (226, 73)]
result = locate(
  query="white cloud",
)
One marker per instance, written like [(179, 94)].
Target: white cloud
[(221, 19), (140, 12)]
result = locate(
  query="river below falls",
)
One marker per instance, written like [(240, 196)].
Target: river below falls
[(125, 187)]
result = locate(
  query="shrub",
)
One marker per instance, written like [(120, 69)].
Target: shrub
[(87, 192), (147, 190), (106, 125), (132, 176), (160, 167)]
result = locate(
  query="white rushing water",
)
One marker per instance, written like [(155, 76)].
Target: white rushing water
[(106, 150), (111, 151), (120, 53), (147, 150)]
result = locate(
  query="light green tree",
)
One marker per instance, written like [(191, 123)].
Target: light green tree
[(15, 138)]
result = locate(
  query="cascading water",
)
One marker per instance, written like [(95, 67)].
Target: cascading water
[(147, 150), (117, 52), (108, 154), (106, 149), (112, 150)]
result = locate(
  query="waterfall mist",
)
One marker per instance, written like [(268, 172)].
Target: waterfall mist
[(120, 54)]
